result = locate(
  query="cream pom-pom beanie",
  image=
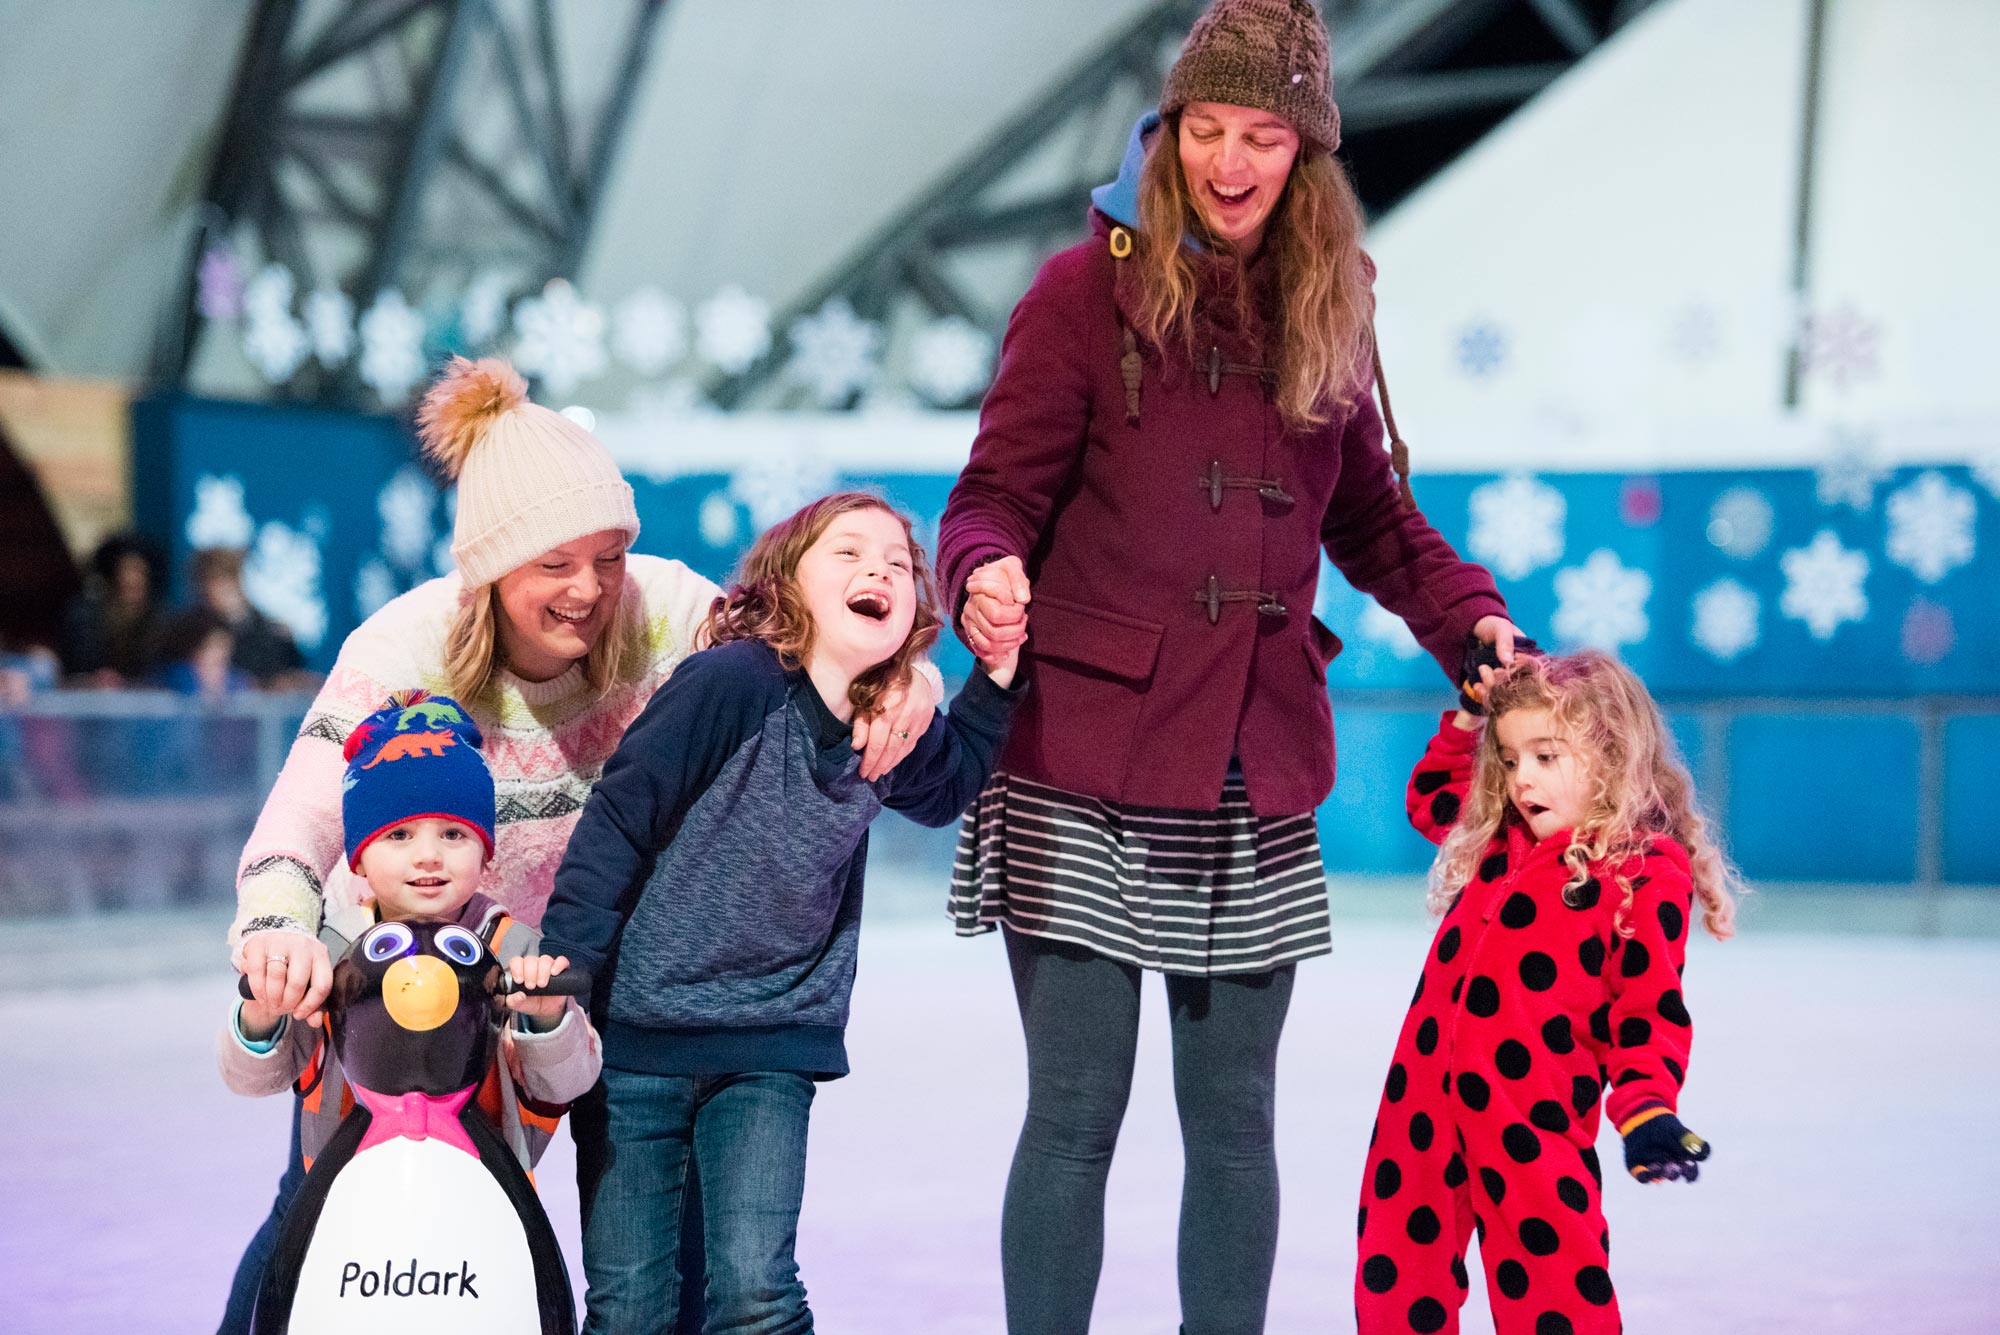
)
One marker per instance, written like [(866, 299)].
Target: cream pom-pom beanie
[(529, 479)]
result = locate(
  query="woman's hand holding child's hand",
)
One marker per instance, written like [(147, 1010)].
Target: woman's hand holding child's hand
[(544, 1013), (887, 736), (995, 617), (290, 973)]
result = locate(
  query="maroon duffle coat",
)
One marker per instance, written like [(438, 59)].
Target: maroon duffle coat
[(1174, 561)]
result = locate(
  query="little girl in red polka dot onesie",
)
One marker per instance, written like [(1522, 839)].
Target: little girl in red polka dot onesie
[(1571, 856)]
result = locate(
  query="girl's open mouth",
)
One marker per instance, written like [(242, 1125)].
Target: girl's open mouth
[(874, 606)]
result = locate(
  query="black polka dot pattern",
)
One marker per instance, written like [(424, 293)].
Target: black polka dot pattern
[(1585, 896), (1473, 1090), (1553, 1323), (1539, 1236), (1398, 1080), (1557, 1038), (1483, 997), (1496, 1185), (1512, 1059), (1429, 781), (1494, 867), (1538, 971), (1458, 1275), (1591, 956), (1594, 1283), (1633, 1031), (1634, 959), (1444, 808), (1454, 1170), (1672, 921), (1421, 1131), (1521, 1143), (1427, 1315), (1447, 945), (1573, 1194), (1378, 1274), (1518, 912), (1512, 1278), (1388, 1179), (1422, 1225), (1583, 1092), (1600, 1023), (1672, 1009), (1427, 1036), (1549, 1116)]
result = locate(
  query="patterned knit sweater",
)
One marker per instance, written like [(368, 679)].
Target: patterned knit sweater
[(545, 741)]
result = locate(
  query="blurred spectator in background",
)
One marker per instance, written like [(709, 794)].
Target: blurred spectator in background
[(109, 632), (196, 657), (263, 648)]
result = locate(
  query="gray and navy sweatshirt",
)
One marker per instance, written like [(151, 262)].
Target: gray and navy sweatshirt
[(713, 884)]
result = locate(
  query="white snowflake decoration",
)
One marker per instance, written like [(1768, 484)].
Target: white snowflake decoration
[(1602, 603), (374, 585), (392, 347), (330, 320), (1517, 525), (1384, 628), (833, 351), (1985, 467), (1481, 350), (717, 520), (274, 341), (951, 360), (1841, 346), (1851, 472), (772, 486), (483, 312), (1740, 522), (1931, 526), (405, 504), (219, 519), (649, 331), (732, 330), (560, 338), (1824, 584), (1726, 620), (281, 578)]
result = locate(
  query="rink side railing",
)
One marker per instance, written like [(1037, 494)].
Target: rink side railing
[(122, 800)]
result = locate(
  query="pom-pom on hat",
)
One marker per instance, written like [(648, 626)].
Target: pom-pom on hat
[(418, 755), (529, 479), (1267, 54)]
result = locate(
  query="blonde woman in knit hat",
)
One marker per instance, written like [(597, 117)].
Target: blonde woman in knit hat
[(1181, 422), (550, 631)]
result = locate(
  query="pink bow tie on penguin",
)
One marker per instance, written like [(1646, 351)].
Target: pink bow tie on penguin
[(415, 1116)]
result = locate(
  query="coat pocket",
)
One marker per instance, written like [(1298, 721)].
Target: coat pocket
[(1085, 637), (1322, 646)]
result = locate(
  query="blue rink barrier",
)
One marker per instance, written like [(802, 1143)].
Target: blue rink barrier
[(144, 799)]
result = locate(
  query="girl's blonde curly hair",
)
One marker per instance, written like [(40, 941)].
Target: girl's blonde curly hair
[(1637, 786)]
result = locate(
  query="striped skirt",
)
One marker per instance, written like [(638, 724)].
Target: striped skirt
[(1187, 892)]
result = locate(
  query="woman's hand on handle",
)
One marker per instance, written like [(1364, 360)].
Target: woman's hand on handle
[(1501, 633), (995, 618), (288, 972), (889, 734)]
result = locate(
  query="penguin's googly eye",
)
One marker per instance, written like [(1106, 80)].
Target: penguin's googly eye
[(459, 946), (386, 942)]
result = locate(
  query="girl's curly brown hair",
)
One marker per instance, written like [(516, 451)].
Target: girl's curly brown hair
[(767, 604), (1638, 786)]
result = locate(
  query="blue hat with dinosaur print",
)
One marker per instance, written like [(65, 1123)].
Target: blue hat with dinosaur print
[(416, 756)]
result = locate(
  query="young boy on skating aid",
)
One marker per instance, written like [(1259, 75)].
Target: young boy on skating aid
[(713, 888), (1571, 858), (418, 808)]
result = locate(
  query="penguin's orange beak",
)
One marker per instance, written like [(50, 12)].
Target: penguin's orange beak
[(420, 992)]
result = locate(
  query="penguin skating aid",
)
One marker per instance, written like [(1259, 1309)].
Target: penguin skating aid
[(416, 1217)]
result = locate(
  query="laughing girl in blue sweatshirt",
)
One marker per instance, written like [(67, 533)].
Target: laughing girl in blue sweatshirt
[(713, 886)]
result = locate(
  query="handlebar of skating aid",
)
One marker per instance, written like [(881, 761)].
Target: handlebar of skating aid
[(570, 983)]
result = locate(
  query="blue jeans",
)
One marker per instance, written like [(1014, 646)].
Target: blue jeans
[(638, 1138), (250, 1270)]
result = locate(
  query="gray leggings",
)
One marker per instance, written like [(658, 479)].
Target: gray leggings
[(1080, 1012)]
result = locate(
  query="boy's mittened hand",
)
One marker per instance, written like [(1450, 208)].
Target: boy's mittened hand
[(1659, 1148), (1480, 654)]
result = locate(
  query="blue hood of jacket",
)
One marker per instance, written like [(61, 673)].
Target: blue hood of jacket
[(1119, 200)]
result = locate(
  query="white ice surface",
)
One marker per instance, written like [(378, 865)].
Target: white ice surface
[(1847, 1083)]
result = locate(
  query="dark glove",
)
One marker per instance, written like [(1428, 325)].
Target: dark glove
[(1480, 653), (1658, 1148)]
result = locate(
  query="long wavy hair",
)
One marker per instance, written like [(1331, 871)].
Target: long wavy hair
[(766, 602), (1314, 236), (1637, 787), (473, 652)]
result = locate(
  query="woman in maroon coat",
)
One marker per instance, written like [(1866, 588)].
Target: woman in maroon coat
[(1181, 421)]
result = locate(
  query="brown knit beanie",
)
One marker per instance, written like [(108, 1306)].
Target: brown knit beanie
[(1267, 54)]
